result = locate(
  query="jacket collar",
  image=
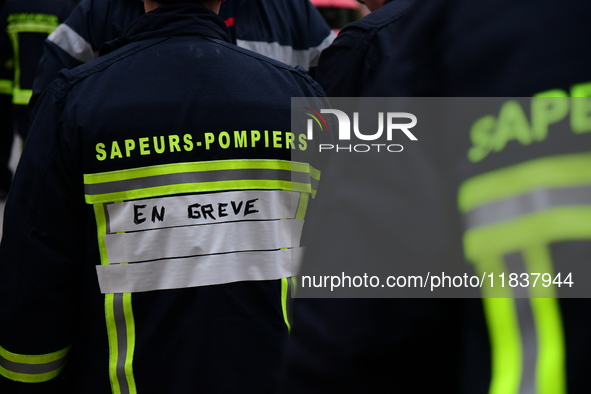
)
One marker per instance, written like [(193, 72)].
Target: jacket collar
[(178, 19)]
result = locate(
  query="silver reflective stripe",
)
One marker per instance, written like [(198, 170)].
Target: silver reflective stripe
[(315, 51), (195, 177), (203, 240), (534, 201), (32, 369), (527, 326), (72, 43), (286, 54), (198, 271), (225, 206)]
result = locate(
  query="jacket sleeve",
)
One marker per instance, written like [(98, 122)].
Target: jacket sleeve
[(41, 256), (69, 46), (343, 65), (78, 39), (321, 36)]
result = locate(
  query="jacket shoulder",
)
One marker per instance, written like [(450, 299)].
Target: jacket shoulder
[(298, 72), (359, 31), (67, 79)]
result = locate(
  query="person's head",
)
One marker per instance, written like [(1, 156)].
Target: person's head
[(213, 5), (374, 4)]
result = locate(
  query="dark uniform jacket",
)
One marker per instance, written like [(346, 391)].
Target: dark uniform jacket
[(348, 66), (147, 245), (24, 26), (503, 188), (291, 31), (78, 39)]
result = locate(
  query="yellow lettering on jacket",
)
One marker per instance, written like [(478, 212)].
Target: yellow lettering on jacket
[(492, 133), (172, 143)]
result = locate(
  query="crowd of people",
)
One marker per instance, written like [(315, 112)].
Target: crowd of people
[(154, 227)]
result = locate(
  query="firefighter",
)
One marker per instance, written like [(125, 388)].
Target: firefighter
[(510, 195), (154, 217), (24, 25), (78, 39), (291, 31), (365, 44)]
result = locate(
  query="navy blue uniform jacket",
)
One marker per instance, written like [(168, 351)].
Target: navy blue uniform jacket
[(171, 157), (459, 48)]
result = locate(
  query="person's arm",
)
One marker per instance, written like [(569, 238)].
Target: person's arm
[(321, 36), (41, 256), (342, 65), (78, 39), (69, 46)]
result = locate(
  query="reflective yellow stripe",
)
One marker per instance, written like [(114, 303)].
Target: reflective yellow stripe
[(548, 172), (32, 368), (21, 96), (505, 345), (551, 363), (5, 86), (113, 345), (204, 166), (302, 206), (537, 203), (26, 23), (130, 333), (32, 27), (121, 337), (101, 224), (284, 300), (34, 359), (120, 323), (211, 176), (200, 187), (555, 225)]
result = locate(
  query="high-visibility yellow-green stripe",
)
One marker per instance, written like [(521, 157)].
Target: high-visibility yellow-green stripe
[(295, 285), (31, 27), (130, 332), (284, 301), (505, 340), (199, 187), (34, 359), (314, 173), (40, 360), (21, 96), (101, 227), (554, 225), (167, 169), (5, 86), (551, 363), (113, 345), (302, 206), (547, 172), (29, 378)]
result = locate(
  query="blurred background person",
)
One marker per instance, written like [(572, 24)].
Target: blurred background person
[(365, 46), (78, 39), (24, 26), (339, 13), (535, 189), (291, 31)]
